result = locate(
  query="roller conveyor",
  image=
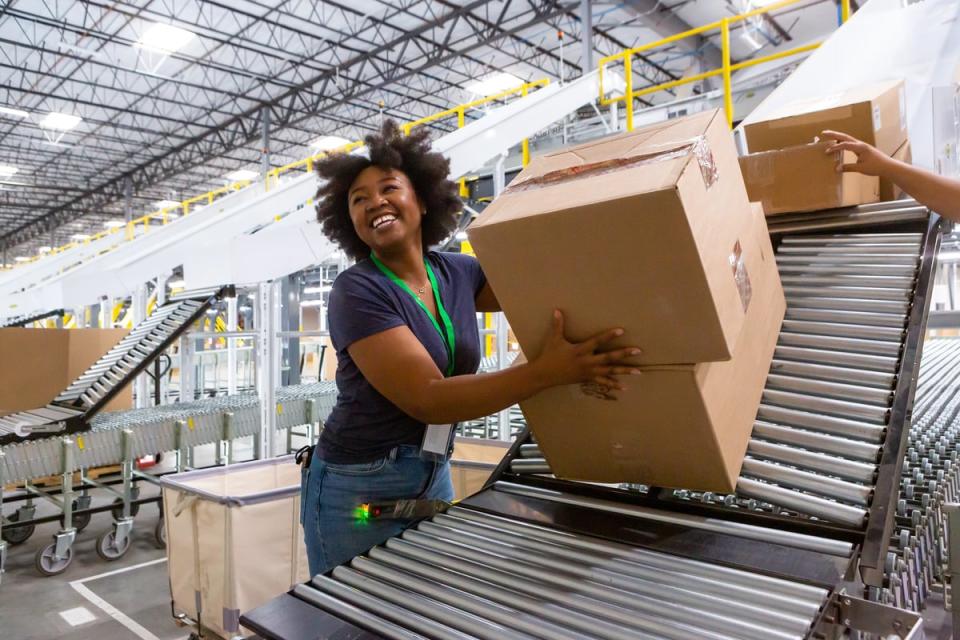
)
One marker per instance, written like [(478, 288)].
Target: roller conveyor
[(812, 511), (166, 428), (74, 408)]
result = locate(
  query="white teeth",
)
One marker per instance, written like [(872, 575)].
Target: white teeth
[(382, 220)]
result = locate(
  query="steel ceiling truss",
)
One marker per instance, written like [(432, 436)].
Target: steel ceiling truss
[(318, 67)]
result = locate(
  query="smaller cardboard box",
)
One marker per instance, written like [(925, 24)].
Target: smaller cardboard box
[(888, 189), (805, 178), (37, 364), (640, 231), (682, 426), (874, 113)]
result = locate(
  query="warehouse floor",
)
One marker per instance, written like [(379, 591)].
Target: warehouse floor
[(93, 599)]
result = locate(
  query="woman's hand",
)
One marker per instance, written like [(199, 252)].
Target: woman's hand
[(870, 160), (563, 362)]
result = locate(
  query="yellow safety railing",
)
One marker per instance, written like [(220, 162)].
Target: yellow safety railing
[(626, 56), (163, 216), (459, 111)]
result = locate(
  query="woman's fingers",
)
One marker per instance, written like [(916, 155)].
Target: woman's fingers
[(618, 355), (837, 135), (592, 344), (557, 323)]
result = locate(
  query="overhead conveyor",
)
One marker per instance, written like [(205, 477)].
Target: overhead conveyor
[(74, 407), (256, 234), (799, 551)]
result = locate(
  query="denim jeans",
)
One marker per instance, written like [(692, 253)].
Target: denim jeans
[(330, 494)]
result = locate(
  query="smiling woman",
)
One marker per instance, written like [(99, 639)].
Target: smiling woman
[(403, 323)]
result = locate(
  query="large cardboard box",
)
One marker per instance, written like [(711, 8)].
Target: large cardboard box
[(642, 231), (805, 178), (875, 113), (674, 426), (37, 364), (888, 189)]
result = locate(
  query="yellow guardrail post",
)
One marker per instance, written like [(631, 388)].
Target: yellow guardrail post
[(727, 88), (844, 10), (628, 90), (461, 121)]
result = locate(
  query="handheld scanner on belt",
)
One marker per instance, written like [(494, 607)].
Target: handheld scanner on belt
[(400, 510)]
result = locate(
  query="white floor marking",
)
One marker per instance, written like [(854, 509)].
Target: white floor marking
[(113, 612), (108, 608), (116, 571), (77, 616)]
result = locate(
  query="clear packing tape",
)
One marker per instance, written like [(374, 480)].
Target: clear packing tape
[(740, 275), (698, 147)]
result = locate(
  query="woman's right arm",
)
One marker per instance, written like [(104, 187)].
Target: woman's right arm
[(939, 193), (399, 367)]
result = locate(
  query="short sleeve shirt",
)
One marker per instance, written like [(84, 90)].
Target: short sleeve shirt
[(364, 425)]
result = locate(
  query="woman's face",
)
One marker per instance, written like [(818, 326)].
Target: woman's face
[(385, 210)]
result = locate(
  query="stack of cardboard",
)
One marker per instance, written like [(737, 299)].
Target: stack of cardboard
[(56, 358), (787, 171), (651, 231)]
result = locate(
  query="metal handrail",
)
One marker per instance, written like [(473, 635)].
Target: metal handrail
[(725, 70)]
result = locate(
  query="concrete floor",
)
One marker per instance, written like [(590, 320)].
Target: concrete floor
[(97, 596)]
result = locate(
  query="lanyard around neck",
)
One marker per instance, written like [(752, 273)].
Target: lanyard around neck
[(446, 333)]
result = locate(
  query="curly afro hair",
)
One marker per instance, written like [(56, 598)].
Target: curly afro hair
[(388, 149)]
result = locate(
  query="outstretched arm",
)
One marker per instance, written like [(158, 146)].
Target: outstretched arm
[(937, 192)]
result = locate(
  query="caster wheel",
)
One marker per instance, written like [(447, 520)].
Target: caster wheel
[(108, 549), (80, 522), (160, 534), (49, 565), (15, 535), (117, 509)]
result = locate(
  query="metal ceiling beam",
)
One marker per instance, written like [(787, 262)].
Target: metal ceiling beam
[(311, 95), (665, 23)]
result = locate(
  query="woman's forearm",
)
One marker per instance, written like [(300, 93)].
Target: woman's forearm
[(939, 193), (471, 396)]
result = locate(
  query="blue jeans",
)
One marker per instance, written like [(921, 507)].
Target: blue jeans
[(330, 494)]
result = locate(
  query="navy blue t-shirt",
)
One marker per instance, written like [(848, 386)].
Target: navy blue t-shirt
[(364, 425)]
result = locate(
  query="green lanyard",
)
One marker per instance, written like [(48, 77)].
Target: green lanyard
[(446, 333)]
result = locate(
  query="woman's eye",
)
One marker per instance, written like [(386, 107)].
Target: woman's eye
[(358, 200), (390, 187)]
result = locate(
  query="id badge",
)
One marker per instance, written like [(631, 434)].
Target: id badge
[(437, 442)]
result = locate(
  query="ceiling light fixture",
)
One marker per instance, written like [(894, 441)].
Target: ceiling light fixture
[(461, 236), (175, 284), (80, 236), (44, 249), (328, 143), (114, 224), (60, 121), (494, 83), (22, 259), (7, 170), (10, 111), (241, 174), (165, 38)]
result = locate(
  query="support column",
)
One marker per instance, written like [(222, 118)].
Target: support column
[(268, 363), (127, 199), (264, 142), (231, 346), (290, 321), (138, 311), (586, 27)]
